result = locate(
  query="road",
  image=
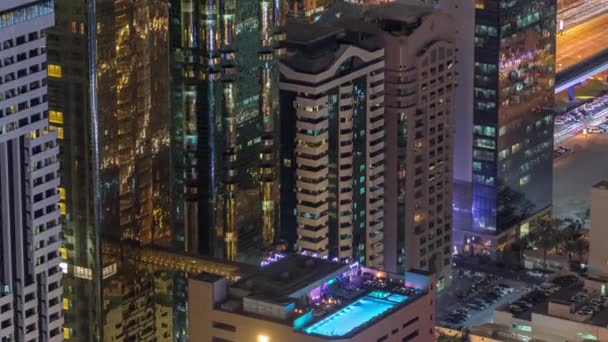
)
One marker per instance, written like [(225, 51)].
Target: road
[(581, 11), (575, 173), (582, 41), (569, 130)]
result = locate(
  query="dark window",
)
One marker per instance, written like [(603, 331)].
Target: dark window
[(410, 336), (383, 338), (410, 322), (224, 326), (394, 331)]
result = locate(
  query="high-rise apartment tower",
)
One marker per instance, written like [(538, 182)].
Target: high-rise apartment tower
[(332, 104), (420, 80), (31, 285)]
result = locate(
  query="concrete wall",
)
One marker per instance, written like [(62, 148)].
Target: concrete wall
[(598, 253)]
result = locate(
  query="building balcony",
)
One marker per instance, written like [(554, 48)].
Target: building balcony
[(313, 222), (318, 210), (376, 147), (376, 77), (377, 193), (346, 88), (346, 242), (312, 126), (313, 234), (375, 238), (317, 174), (319, 186), (376, 216), (313, 246), (376, 248), (345, 253), (376, 89), (320, 197), (348, 183), (310, 162), (315, 139), (316, 114), (377, 159), (346, 148)]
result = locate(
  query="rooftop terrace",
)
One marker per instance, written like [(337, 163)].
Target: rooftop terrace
[(322, 297)]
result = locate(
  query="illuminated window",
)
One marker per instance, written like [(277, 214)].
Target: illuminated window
[(480, 4), (55, 117), (522, 327), (586, 336), (67, 333), (59, 132), (62, 208), (524, 229), (83, 272), (418, 217), (61, 193), (524, 180), (63, 253), (66, 304), (74, 26), (263, 338), (54, 70)]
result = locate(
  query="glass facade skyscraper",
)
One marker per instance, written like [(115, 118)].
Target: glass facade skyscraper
[(169, 114), (513, 124)]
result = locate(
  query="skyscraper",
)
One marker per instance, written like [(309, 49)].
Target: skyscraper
[(419, 92), (169, 116), (513, 125), (333, 143), (31, 285)]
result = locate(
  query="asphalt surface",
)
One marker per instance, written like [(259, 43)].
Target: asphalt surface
[(448, 299), (582, 41), (563, 132), (575, 173)]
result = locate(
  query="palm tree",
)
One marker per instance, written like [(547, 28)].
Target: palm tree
[(572, 238), (525, 242), (546, 235)]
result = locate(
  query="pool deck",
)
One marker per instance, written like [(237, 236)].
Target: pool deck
[(339, 324)]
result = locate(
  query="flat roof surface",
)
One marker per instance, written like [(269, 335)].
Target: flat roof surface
[(289, 275), (303, 33), (399, 11), (602, 185), (563, 296)]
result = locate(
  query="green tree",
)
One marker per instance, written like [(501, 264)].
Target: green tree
[(573, 240), (546, 235)]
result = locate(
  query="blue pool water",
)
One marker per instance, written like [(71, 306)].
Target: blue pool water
[(363, 310)]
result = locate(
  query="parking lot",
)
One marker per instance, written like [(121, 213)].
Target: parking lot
[(472, 298)]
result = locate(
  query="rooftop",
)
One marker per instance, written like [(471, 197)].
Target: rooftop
[(573, 296), (602, 185), (291, 277), (321, 297), (314, 48)]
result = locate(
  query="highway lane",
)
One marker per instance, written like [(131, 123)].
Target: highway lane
[(581, 12), (582, 41), (566, 131)]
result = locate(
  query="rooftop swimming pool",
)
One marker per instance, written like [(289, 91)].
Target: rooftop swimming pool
[(356, 314)]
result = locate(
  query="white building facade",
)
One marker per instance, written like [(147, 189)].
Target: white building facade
[(339, 150), (30, 231)]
